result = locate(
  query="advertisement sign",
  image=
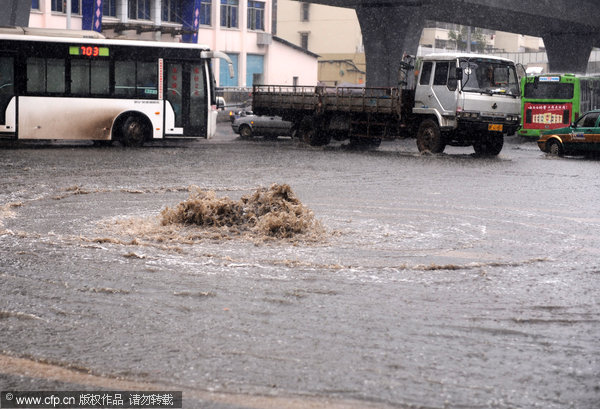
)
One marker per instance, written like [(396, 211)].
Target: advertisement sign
[(547, 116)]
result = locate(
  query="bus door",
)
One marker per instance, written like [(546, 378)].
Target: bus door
[(187, 93), (7, 94)]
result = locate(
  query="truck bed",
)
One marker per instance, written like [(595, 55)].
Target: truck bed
[(289, 101)]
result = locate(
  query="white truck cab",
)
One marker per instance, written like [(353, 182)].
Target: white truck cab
[(466, 99)]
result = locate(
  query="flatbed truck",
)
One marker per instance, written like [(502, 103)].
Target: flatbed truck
[(444, 99)]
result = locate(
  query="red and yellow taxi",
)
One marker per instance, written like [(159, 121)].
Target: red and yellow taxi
[(583, 136)]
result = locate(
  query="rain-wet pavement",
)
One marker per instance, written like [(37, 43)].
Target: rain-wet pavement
[(442, 281)]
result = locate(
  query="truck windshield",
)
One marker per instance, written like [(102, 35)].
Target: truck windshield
[(489, 77)]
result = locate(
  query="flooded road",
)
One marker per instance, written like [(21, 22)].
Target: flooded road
[(445, 281)]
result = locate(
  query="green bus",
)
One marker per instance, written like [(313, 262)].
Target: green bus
[(550, 101)]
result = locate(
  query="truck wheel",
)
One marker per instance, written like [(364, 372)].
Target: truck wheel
[(245, 132), (490, 145), (134, 132), (311, 133), (429, 137)]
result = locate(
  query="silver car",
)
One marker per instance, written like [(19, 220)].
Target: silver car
[(270, 127)]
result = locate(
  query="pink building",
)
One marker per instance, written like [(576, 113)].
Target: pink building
[(240, 28)]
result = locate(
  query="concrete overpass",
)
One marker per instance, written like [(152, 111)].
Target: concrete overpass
[(569, 28), (14, 12)]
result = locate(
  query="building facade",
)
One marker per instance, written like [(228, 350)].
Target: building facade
[(331, 32), (240, 28)]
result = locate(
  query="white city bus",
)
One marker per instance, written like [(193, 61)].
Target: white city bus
[(66, 85)]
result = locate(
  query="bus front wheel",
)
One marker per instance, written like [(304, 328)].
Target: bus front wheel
[(134, 132)]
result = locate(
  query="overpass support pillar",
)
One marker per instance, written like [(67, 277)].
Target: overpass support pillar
[(569, 52), (15, 13), (388, 33)]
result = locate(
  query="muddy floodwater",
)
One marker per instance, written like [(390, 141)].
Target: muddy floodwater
[(413, 281)]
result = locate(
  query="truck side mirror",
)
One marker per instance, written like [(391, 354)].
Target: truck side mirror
[(459, 72)]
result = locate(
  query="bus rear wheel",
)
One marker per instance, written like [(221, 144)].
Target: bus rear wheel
[(134, 132)]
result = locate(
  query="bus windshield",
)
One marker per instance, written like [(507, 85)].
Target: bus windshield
[(489, 77), (549, 90)]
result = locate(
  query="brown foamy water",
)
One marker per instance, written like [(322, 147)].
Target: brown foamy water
[(267, 214)]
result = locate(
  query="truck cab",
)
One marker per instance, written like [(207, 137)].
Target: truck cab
[(464, 100)]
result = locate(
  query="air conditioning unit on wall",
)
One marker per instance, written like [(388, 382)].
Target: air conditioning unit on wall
[(264, 38)]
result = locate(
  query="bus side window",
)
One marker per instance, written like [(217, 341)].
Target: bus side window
[(90, 77), (80, 77), (36, 75), (55, 76), (147, 80), (125, 78), (46, 75), (100, 78)]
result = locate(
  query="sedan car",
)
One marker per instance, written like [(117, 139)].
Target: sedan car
[(583, 136), (270, 127)]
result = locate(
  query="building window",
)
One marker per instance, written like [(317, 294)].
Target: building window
[(440, 43), (171, 11), (139, 9), (256, 15), (304, 13), (35, 4), (255, 68), (205, 12), (109, 8), (229, 13), (60, 6), (224, 79), (304, 40)]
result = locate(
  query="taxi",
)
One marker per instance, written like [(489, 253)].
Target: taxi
[(583, 136)]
